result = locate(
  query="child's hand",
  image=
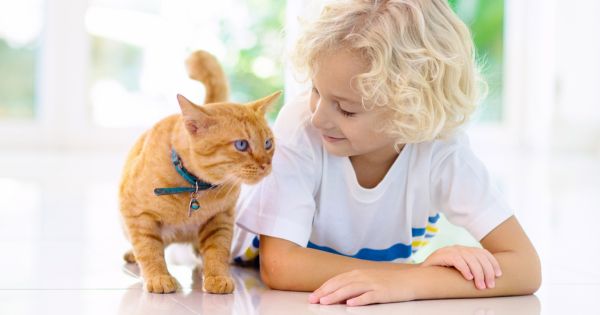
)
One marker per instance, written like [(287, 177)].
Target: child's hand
[(362, 287), (474, 263)]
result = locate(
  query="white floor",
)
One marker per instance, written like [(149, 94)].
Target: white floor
[(61, 244)]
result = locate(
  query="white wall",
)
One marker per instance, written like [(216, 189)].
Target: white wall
[(577, 116)]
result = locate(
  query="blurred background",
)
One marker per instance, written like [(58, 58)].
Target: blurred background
[(80, 80), (73, 79)]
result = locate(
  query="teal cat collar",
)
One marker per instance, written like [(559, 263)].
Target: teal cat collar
[(197, 184)]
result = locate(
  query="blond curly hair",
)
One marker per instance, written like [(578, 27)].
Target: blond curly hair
[(421, 61)]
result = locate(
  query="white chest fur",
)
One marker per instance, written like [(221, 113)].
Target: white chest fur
[(181, 232)]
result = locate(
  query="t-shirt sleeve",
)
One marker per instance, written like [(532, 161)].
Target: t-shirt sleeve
[(282, 205), (464, 193)]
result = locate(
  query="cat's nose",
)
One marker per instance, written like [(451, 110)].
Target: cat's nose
[(264, 166)]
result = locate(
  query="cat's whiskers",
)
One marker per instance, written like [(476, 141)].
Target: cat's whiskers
[(230, 180), (220, 188), (235, 183)]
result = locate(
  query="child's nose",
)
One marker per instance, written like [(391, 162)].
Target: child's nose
[(320, 117)]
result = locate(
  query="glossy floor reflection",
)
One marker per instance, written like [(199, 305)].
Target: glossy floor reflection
[(61, 244)]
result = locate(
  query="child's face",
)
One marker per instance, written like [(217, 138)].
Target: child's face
[(347, 129)]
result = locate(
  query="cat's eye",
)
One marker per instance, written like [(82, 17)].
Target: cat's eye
[(268, 144), (241, 145)]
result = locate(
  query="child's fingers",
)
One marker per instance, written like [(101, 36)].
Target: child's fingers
[(495, 264), (476, 270), (460, 265), (488, 270), (344, 293), (314, 298), (369, 297), (325, 289), (328, 287)]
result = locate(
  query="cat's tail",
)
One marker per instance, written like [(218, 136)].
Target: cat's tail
[(205, 68)]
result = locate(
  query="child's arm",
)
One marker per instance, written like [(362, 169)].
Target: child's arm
[(521, 274), (287, 266)]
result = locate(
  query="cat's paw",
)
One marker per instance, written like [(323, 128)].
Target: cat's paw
[(129, 257), (162, 284), (218, 284)]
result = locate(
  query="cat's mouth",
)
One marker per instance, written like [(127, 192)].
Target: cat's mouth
[(252, 177)]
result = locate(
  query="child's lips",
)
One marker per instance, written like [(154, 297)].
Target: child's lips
[(332, 139)]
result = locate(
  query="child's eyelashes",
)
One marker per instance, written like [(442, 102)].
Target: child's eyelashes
[(345, 113), (337, 105)]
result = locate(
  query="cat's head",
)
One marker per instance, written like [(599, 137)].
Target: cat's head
[(229, 142)]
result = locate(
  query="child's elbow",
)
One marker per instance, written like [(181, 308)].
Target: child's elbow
[(268, 274), (537, 277), (273, 271), (275, 259), (533, 275)]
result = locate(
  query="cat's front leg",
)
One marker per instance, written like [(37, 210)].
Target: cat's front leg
[(149, 252), (213, 244)]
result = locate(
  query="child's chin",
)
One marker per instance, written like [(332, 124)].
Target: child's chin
[(335, 150)]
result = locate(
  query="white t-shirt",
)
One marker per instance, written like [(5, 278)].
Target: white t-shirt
[(313, 198)]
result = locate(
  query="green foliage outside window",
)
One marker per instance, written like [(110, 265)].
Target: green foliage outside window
[(121, 61), (244, 65), (117, 60), (267, 25), (486, 21), (17, 80)]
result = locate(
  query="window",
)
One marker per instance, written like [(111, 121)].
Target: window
[(137, 54), (486, 20), (20, 27)]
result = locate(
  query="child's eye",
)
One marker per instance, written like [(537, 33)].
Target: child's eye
[(345, 113), (314, 90)]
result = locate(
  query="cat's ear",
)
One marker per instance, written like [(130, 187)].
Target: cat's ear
[(197, 120), (262, 105)]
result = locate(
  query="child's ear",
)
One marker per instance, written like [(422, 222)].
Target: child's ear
[(197, 120), (262, 105)]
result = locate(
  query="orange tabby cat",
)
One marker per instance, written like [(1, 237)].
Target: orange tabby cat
[(181, 179)]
